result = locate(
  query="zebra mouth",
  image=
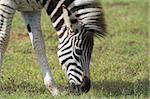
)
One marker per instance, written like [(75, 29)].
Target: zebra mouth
[(83, 88)]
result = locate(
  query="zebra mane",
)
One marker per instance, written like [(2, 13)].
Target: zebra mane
[(99, 25)]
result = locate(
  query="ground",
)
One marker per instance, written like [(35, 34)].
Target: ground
[(119, 65)]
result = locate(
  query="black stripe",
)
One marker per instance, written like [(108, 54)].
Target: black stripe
[(74, 64), (61, 35), (52, 5), (77, 72), (7, 6), (75, 77), (6, 11), (95, 18), (76, 57), (57, 14), (72, 79), (59, 25), (66, 42), (79, 14), (64, 54), (67, 48), (66, 60), (68, 2)]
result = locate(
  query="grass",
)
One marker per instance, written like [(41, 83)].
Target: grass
[(119, 66)]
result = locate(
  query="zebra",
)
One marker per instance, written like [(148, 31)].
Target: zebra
[(75, 21)]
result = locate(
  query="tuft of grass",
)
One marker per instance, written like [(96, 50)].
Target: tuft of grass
[(119, 65)]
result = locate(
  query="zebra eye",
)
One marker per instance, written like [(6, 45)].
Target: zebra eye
[(74, 21), (79, 51)]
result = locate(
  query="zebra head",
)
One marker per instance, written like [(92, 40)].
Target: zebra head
[(75, 49), (76, 44), (74, 55)]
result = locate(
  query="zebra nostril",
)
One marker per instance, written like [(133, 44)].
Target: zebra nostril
[(86, 84)]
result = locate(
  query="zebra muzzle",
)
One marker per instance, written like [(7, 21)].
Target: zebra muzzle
[(83, 88), (86, 84)]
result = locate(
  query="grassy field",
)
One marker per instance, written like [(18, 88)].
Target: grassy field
[(119, 66)]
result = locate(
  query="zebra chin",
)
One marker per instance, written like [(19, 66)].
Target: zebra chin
[(83, 88)]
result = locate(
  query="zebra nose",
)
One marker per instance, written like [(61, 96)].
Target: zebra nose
[(86, 84), (83, 88)]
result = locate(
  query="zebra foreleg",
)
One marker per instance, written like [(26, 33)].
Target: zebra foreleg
[(32, 20), (7, 10)]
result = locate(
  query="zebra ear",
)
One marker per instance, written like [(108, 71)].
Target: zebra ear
[(66, 17)]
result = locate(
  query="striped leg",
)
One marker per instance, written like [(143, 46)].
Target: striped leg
[(7, 10), (32, 20)]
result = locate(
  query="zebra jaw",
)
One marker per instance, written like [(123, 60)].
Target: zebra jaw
[(83, 88)]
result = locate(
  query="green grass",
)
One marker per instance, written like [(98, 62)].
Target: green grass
[(119, 66)]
